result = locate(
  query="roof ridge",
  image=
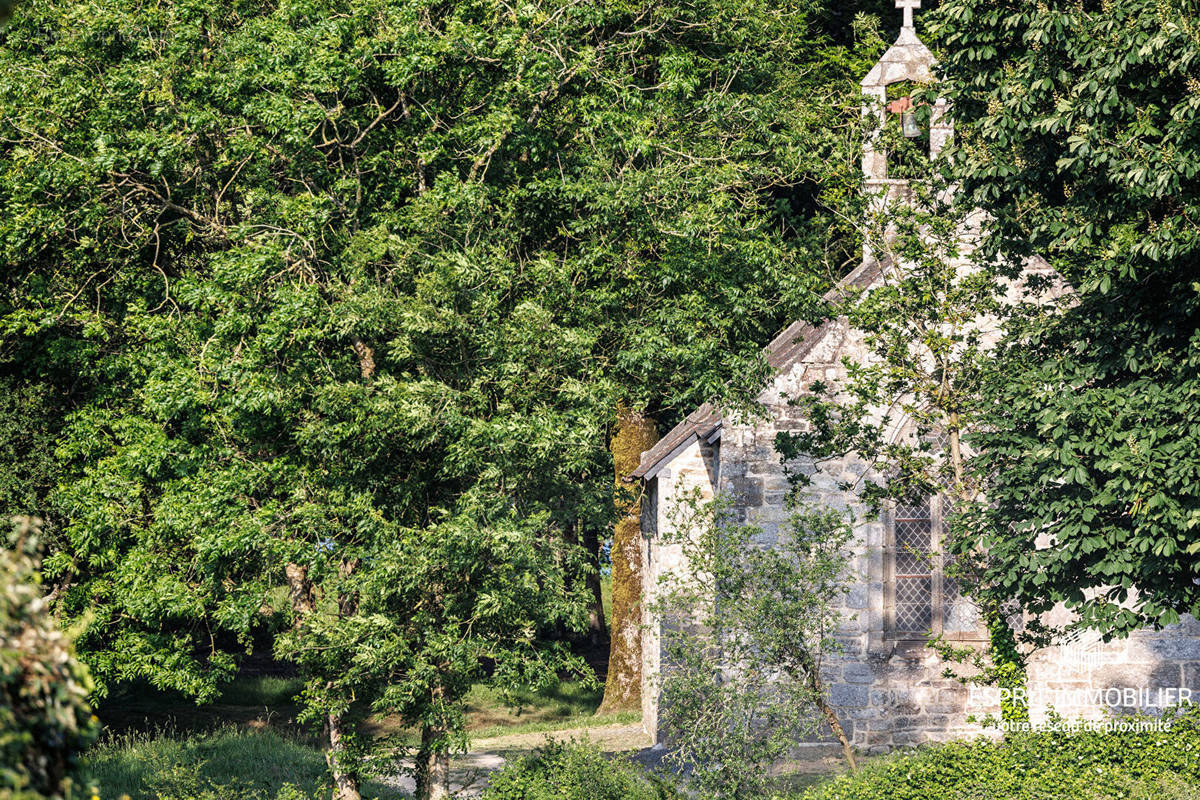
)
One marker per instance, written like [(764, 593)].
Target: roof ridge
[(790, 345)]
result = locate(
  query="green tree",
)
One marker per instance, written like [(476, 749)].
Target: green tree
[(913, 403), (745, 634), (1077, 132), (925, 327), (441, 608), (303, 276)]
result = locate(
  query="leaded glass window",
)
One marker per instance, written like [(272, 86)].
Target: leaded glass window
[(921, 599), (914, 549)]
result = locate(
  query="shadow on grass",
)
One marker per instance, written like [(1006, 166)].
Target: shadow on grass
[(252, 702)]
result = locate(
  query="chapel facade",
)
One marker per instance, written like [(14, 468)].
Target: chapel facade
[(886, 686)]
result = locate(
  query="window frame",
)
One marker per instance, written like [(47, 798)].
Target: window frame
[(936, 582)]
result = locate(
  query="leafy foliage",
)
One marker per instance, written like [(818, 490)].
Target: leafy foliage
[(574, 771), (304, 279), (29, 422), (439, 609), (925, 328), (223, 764), (1077, 132), (207, 241), (745, 633), (45, 720), (928, 327), (1038, 765)]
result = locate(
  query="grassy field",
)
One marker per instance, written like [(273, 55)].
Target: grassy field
[(570, 704), (228, 764), (261, 690), (247, 746)]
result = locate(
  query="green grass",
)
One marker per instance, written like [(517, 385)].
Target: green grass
[(248, 702), (560, 701), (227, 764), (570, 704), (549, 726), (256, 758), (258, 702), (566, 705), (261, 690), (246, 745)]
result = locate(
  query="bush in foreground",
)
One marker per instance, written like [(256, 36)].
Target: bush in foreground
[(1040, 765), (575, 771), (45, 721)]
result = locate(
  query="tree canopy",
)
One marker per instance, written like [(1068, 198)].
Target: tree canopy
[(299, 285), (317, 318), (1079, 133)]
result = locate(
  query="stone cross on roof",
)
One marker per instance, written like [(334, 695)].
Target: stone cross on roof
[(908, 6)]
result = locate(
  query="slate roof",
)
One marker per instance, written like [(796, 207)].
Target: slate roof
[(788, 348)]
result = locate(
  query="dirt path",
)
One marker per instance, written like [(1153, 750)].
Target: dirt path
[(469, 772), (609, 738)]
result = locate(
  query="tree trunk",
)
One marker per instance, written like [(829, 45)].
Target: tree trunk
[(304, 602), (634, 434), (836, 726), (345, 785), (956, 456), (432, 767), (587, 541), (301, 592), (596, 621), (818, 689), (366, 358)]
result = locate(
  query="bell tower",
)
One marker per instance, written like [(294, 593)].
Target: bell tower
[(906, 61)]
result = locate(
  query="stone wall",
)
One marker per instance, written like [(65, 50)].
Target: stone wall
[(888, 693), (692, 472)]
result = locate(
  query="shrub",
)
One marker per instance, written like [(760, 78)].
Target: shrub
[(1039, 765), (45, 721), (575, 771)]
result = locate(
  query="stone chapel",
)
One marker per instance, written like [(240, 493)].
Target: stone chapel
[(887, 687)]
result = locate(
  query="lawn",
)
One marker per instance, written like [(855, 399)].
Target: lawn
[(247, 745), (227, 764), (255, 702), (570, 704), (261, 702)]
